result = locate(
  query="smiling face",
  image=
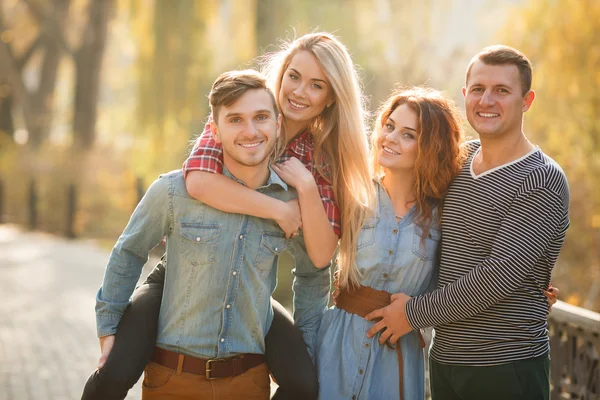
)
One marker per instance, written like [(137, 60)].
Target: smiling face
[(494, 101), (305, 91), (248, 130), (398, 143)]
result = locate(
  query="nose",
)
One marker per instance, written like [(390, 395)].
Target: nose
[(391, 137), (487, 98), (299, 90), (250, 128)]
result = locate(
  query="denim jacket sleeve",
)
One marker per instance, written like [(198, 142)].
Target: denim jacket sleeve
[(311, 296), (150, 222)]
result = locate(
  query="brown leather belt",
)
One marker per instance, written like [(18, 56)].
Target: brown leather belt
[(211, 369), (362, 301)]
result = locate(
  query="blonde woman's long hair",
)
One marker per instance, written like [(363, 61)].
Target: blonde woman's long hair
[(340, 138)]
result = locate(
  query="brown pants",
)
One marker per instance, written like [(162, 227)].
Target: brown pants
[(163, 383)]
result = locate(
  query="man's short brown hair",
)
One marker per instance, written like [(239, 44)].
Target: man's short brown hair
[(501, 55), (231, 85)]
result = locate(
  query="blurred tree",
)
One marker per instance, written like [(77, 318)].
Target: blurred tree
[(183, 46), (269, 13), (173, 66), (88, 66), (51, 43), (564, 122)]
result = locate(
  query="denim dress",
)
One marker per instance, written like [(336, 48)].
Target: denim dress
[(391, 256)]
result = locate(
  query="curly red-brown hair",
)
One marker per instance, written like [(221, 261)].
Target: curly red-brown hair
[(439, 156)]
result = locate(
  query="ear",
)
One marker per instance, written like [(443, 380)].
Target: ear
[(214, 131), (528, 100), (464, 91), (279, 122)]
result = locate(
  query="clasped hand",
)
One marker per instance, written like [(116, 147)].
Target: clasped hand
[(294, 173), (391, 320)]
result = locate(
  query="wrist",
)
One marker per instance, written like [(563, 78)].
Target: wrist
[(408, 312), (307, 187), (280, 210)]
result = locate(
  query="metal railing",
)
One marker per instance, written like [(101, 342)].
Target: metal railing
[(575, 352)]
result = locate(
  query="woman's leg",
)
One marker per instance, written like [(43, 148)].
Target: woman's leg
[(288, 358), (134, 343)]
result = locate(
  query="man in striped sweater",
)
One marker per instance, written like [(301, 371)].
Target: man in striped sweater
[(504, 223)]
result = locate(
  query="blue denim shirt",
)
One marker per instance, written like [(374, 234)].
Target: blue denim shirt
[(391, 257), (221, 270)]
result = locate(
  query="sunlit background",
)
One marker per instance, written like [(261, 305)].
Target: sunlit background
[(98, 97)]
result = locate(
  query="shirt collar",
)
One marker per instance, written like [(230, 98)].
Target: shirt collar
[(273, 179), (302, 144)]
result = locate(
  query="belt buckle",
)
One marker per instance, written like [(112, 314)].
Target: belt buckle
[(208, 369)]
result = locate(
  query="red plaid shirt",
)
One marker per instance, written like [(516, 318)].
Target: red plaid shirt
[(207, 155)]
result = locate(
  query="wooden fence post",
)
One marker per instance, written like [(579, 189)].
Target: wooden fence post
[(1, 201), (33, 198), (71, 210)]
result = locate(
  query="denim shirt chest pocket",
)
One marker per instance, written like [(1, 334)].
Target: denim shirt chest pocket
[(425, 248), (199, 242), (272, 244), (366, 236)]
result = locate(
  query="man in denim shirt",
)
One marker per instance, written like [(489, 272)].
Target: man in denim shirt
[(221, 268)]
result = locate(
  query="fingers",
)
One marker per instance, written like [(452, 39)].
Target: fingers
[(552, 296), (288, 234), (375, 328), (394, 338), (291, 161), (374, 315), (335, 295), (279, 170), (395, 296), (102, 361), (106, 345), (385, 335)]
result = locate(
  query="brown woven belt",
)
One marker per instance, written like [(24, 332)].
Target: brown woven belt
[(211, 369), (362, 301)]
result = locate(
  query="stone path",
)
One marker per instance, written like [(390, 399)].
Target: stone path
[(48, 343)]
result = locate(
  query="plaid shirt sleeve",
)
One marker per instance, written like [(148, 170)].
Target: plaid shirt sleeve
[(328, 195), (328, 200), (302, 148), (207, 155)]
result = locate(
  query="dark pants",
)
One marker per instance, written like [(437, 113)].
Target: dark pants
[(285, 349), (521, 380)]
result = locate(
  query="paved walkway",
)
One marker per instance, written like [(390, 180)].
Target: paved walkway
[(48, 343)]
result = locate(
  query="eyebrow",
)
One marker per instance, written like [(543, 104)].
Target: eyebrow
[(404, 127), (313, 79), (263, 111), (502, 85)]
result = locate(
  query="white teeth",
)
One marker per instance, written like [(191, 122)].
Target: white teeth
[(487, 115), (297, 105), (250, 144), (390, 151)]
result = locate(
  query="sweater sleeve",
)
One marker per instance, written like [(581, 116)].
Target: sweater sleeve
[(533, 222)]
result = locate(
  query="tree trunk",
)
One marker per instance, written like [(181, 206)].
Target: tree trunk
[(6, 122), (42, 101), (269, 14), (88, 65)]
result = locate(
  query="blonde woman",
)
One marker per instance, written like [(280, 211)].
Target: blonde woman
[(324, 156)]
